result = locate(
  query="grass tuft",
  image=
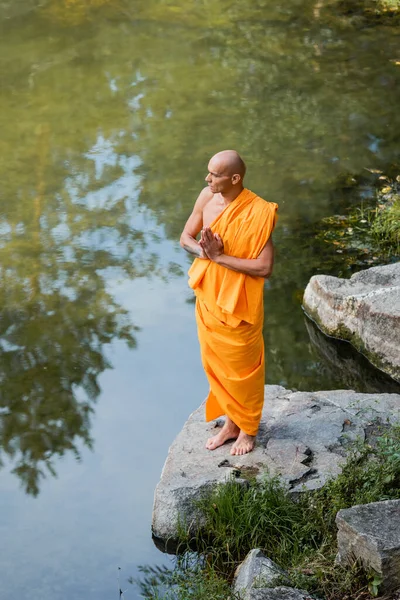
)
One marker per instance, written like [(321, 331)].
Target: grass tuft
[(189, 579)]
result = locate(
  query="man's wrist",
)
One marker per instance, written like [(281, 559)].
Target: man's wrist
[(218, 258), (194, 251)]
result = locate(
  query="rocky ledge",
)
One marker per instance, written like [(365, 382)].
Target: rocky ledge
[(365, 310), (302, 438)]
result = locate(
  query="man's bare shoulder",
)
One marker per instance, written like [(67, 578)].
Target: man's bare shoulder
[(204, 197)]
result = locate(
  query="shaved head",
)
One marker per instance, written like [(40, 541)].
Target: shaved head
[(225, 174), (230, 163)]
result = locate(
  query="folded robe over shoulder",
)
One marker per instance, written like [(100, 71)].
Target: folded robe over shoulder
[(229, 314)]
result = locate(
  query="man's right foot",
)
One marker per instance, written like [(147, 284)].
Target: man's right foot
[(229, 431)]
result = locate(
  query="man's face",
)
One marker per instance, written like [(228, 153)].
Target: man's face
[(218, 180)]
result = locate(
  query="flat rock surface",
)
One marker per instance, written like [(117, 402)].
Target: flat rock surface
[(364, 310), (302, 438), (378, 521)]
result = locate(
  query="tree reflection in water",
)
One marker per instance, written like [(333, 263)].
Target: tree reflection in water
[(57, 313)]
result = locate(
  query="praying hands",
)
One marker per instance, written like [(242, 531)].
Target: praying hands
[(211, 243)]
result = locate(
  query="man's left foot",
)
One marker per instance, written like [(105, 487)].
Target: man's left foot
[(243, 445)]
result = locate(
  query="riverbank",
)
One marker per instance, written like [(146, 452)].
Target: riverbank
[(368, 233), (317, 452)]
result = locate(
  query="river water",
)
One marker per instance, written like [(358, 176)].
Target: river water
[(109, 112)]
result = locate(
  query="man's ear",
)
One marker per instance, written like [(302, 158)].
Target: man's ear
[(236, 178)]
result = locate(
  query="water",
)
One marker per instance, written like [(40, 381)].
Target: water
[(109, 113)]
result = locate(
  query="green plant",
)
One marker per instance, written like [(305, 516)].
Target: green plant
[(188, 579), (263, 515), (375, 581), (369, 233), (371, 473), (386, 224), (320, 575)]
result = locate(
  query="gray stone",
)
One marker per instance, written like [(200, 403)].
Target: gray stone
[(364, 310), (279, 593), (302, 439), (258, 571), (371, 533)]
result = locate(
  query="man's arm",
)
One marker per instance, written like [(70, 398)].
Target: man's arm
[(257, 267), (194, 224)]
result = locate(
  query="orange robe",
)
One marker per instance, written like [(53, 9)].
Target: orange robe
[(229, 314)]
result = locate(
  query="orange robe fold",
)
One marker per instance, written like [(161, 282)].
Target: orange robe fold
[(229, 314)]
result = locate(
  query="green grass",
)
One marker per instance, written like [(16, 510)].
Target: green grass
[(369, 234), (386, 225), (300, 535), (187, 580), (262, 516)]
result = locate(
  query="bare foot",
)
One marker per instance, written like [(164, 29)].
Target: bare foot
[(243, 445), (229, 431)]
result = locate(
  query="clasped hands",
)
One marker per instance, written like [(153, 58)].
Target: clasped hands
[(211, 244)]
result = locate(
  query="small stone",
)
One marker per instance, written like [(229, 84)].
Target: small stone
[(258, 571)]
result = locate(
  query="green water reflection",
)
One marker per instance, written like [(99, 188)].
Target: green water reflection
[(110, 109)]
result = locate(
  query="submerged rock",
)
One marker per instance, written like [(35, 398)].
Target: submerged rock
[(371, 534), (302, 439), (364, 310)]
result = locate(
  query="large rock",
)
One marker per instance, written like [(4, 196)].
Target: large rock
[(364, 310), (258, 571), (371, 534), (302, 438)]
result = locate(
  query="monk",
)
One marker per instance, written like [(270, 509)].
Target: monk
[(234, 255)]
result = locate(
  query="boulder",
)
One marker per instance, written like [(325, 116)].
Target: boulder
[(258, 571), (370, 533), (302, 439), (364, 310)]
